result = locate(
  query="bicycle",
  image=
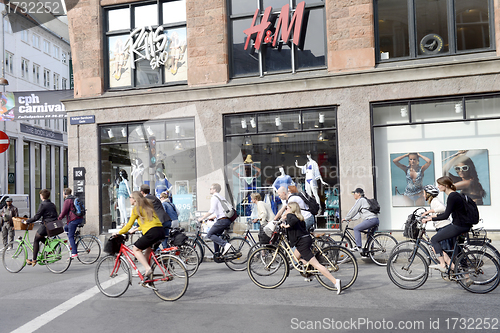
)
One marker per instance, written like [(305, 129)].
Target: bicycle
[(475, 270), (88, 247), (269, 265), (185, 251), (169, 279), (378, 246), (55, 254), (235, 259)]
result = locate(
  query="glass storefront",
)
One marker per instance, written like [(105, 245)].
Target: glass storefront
[(259, 146), (12, 166), (158, 153), (453, 137)]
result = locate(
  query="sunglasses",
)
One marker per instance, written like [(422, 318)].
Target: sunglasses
[(462, 168)]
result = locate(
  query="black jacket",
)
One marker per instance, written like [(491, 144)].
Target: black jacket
[(47, 211), (456, 208), (159, 210), (296, 230)]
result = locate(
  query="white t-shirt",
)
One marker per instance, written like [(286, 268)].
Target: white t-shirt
[(439, 208), (302, 205), (216, 206)]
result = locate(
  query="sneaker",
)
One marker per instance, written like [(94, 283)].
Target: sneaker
[(438, 267), (226, 248), (364, 254), (355, 249), (148, 285), (73, 256), (338, 286)]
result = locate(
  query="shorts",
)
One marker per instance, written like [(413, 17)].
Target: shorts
[(304, 247), (152, 236)]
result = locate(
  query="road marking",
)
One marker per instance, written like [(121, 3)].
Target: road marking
[(48, 316)]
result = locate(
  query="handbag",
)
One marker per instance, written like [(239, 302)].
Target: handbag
[(54, 228), (269, 228)]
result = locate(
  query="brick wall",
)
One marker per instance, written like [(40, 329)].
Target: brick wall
[(350, 35)]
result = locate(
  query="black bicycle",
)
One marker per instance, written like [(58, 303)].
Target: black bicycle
[(378, 245)]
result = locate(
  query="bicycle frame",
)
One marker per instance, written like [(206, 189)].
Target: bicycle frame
[(348, 234), (25, 242)]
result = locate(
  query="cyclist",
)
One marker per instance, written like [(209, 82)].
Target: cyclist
[(456, 207), (301, 239), (163, 216), (437, 207), (47, 211), (72, 220), (360, 210), (149, 224)]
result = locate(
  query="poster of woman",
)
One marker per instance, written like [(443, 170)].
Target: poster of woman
[(469, 170), (410, 172)]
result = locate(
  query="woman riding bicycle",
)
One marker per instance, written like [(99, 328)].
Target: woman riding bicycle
[(456, 207), (149, 224), (301, 239), (47, 212), (437, 207)]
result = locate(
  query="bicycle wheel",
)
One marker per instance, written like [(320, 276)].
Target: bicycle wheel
[(324, 241), (337, 238), (198, 247), (171, 279), (407, 271), (422, 249), (341, 263), (240, 246), (89, 249), (380, 248), (111, 277), (477, 271), (14, 257), (57, 256), (268, 267), (189, 258)]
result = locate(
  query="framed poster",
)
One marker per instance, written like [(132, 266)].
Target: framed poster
[(469, 170), (410, 172)]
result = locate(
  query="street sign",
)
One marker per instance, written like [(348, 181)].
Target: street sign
[(4, 142)]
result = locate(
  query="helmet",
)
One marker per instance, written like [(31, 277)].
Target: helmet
[(432, 190)]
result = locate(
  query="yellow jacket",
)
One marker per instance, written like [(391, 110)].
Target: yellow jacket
[(143, 226)]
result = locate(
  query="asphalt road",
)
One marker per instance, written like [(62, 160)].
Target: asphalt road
[(220, 300)]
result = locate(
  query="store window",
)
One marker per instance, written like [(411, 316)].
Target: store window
[(455, 136), (140, 65), (56, 193), (48, 169), (419, 28), (258, 53), (12, 166), (262, 148), (38, 172), (158, 153), (27, 169)]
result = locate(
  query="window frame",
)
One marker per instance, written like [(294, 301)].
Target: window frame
[(46, 78), (25, 68), (452, 34), (46, 47), (36, 38), (9, 62), (36, 78)]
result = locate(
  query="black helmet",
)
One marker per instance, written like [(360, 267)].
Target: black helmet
[(432, 190)]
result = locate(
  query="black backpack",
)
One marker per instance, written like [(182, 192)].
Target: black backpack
[(374, 206), (312, 204), (470, 209)]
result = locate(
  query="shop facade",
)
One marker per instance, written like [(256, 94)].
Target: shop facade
[(202, 106)]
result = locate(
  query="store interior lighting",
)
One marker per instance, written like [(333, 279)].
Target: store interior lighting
[(322, 137), (124, 132), (247, 141), (277, 120), (243, 123), (458, 108), (178, 144), (139, 133), (111, 134), (404, 111), (253, 123), (150, 131)]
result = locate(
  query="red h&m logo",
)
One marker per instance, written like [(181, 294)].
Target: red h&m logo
[(282, 25)]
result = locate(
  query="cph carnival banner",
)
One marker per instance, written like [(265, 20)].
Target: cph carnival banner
[(29, 105)]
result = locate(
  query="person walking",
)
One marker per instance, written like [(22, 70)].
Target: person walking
[(6, 223), (72, 220)]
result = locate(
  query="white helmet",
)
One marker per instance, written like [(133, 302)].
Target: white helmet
[(432, 190)]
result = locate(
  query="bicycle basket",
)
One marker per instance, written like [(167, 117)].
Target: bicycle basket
[(411, 227), (240, 227), (178, 238), (112, 245), (477, 236)]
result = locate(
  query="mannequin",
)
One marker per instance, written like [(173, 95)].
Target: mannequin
[(282, 180), (161, 182), (137, 172), (123, 194), (311, 170)]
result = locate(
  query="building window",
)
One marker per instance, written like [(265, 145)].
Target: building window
[(24, 35), (56, 52), (9, 62), (135, 68), (167, 147), (36, 73), (24, 68), (64, 83), (258, 53), (63, 58), (46, 78), (411, 29), (56, 81), (36, 41), (6, 26), (46, 46)]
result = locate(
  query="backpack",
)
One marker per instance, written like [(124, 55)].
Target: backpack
[(374, 206), (79, 208), (229, 211), (312, 204), (470, 209), (411, 228)]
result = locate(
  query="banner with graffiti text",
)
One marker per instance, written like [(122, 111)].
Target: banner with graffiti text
[(28, 105)]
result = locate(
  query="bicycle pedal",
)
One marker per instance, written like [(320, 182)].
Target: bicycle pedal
[(308, 279)]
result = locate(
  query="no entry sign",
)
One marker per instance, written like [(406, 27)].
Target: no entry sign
[(4, 142)]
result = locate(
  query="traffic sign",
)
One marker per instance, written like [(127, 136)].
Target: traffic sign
[(4, 142)]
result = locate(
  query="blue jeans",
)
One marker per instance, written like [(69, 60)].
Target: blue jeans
[(366, 224), (166, 226), (216, 230), (450, 231), (309, 222), (70, 228)]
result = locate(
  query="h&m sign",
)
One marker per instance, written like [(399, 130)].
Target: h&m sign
[(267, 34)]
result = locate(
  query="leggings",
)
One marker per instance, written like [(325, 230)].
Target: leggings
[(41, 233), (450, 231)]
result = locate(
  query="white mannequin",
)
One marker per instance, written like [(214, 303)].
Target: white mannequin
[(137, 172), (123, 194), (282, 180), (311, 170)]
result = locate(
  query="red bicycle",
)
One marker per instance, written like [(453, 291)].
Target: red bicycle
[(113, 276)]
